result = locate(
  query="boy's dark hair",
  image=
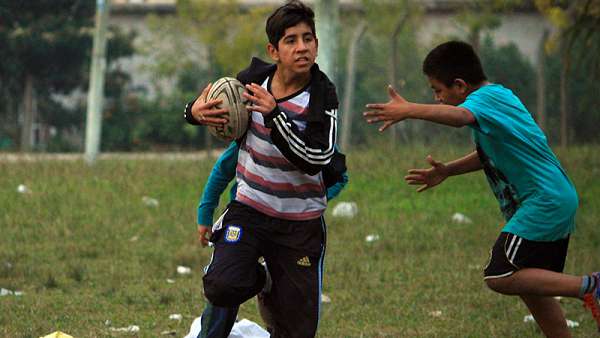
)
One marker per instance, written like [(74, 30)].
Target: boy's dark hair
[(454, 60), (286, 16)]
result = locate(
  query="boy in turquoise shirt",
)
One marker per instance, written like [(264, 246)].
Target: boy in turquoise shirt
[(535, 194)]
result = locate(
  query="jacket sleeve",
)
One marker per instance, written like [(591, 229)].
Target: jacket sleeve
[(220, 176), (187, 114), (337, 188), (310, 152)]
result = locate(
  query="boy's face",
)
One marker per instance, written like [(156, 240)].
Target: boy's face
[(297, 49), (453, 95)]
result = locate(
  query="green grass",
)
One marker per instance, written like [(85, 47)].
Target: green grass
[(85, 250)]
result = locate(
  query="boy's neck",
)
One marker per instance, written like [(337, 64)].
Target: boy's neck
[(286, 83), (477, 86)]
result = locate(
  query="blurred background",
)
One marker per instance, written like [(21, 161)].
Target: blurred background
[(161, 53)]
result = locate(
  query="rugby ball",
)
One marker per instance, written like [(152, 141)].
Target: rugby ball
[(230, 91)]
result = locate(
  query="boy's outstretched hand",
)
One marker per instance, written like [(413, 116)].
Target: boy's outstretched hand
[(427, 178), (205, 112), (395, 110)]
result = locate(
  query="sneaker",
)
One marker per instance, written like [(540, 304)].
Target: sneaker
[(263, 308), (592, 300)]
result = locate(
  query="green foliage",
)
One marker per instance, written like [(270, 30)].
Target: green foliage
[(507, 66)]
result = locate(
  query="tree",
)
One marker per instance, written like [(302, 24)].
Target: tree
[(210, 39), (576, 21), (42, 53)]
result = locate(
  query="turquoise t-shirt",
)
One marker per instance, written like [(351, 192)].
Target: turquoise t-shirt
[(536, 197)]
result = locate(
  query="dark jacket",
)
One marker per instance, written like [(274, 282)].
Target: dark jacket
[(313, 149)]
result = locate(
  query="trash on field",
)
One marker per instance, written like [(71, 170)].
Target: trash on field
[(7, 292), (176, 316), (436, 313), (58, 334), (241, 329), (558, 298), (325, 298), (475, 267), (345, 209), (183, 270), (22, 188), (570, 323), (149, 201), (169, 333), (372, 238), (170, 281), (460, 218), (130, 329)]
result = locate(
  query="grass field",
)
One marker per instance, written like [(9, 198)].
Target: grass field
[(88, 254)]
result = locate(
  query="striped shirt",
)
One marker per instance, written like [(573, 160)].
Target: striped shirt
[(267, 181)]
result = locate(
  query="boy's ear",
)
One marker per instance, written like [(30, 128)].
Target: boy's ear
[(273, 52), (461, 85)]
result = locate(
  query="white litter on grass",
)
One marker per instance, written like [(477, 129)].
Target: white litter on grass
[(372, 238), (460, 218), (170, 281), (325, 298), (134, 238), (183, 270), (149, 201), (168, 333), (7, 292), (474, 267), (242, 329), (176, 316), (558, 298), (22, 189), (345, 209), (129, 329), (570, 323), (528, 318), (436, 313)]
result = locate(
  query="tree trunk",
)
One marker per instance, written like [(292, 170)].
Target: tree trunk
[(541, 81), (27, 126), (474, 37), (327, 21), (346, 127), (564, 74), (393, 74)]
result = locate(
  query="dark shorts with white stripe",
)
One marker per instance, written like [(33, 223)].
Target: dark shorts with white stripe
[(512, 253), (293, 252)]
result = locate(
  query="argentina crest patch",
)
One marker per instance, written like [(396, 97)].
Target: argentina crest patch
[(233, 233)]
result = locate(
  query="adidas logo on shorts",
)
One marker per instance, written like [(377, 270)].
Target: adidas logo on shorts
[(304, 261)]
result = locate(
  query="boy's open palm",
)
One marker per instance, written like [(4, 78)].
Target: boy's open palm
[(389, 113), (427, 178)]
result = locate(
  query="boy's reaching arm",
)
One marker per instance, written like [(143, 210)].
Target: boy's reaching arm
[(398, 109), (220, 176), (428, 178)]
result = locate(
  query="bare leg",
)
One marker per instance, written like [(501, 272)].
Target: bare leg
[(537, 282), (548, 315)]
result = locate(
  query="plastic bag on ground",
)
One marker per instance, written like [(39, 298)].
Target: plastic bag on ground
[(242, 329)]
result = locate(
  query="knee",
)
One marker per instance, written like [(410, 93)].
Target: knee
[(501, 285), (221, 293)]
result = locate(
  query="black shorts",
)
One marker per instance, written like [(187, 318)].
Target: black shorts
[(512, 253), (293, 252)]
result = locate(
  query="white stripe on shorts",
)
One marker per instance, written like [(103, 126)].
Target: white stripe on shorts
[(512, 257)]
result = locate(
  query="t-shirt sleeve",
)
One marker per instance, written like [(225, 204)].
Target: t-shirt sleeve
[(486, 116)]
